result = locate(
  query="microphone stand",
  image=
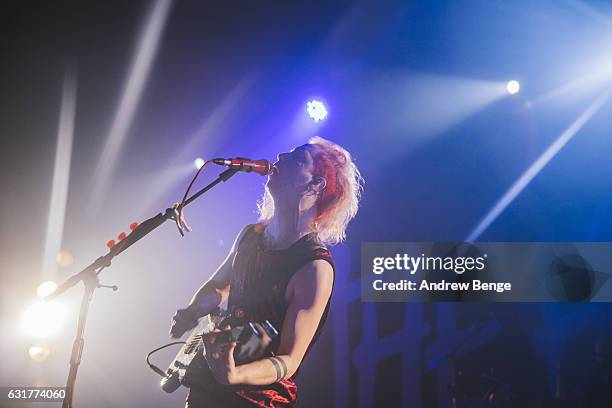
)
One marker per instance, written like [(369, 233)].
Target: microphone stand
[(89, 277)]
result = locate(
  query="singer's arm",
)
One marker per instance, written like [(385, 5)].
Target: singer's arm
[(308, 292), (208, 296)]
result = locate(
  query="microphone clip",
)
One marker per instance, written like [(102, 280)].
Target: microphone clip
[(178, 216)]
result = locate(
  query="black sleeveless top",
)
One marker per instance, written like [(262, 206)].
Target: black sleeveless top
[(257, 292), (260, 277)]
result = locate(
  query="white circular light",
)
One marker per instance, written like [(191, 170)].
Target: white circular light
[(198, 163), (45, 289), (513, 87), (316, 110), (39, 352), (43, 319)]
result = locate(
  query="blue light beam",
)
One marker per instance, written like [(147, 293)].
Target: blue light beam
[(533, 170)]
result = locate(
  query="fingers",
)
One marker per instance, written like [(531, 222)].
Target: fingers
[(214, 336), (222, 352), (218, 330), (177, 329), (230, 354), (174, 332), (226, 351), (218, 336), (182, 321)]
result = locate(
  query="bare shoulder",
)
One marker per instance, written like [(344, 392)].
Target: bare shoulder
[(246, 229), (241, 235), (313, 279)]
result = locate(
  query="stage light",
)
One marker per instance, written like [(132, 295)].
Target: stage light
[(198, 163), (45, 289), (532, 171), (140, 68), (43, 319), (39, 352), (513, 87), (316, 110), (61, 175)]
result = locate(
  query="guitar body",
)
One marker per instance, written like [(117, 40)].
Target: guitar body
[(179, 369), (191, 355)]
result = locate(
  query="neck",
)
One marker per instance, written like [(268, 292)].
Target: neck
[(288, 224)]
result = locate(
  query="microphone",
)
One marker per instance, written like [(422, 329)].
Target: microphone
[(261, 167)]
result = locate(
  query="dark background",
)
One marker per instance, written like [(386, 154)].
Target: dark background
[(414, 91)]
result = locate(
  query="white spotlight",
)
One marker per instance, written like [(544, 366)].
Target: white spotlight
[(513, 87), (45, 289), (43, 319), (39, 352), (316, 110), (198, 163)]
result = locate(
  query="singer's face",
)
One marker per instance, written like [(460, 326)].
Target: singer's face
[(294, 172)]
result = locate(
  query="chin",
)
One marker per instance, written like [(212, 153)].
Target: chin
[(271, 183)]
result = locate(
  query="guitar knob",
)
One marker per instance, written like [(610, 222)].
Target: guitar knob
[(121, 236), (133, 226), (110, 243)]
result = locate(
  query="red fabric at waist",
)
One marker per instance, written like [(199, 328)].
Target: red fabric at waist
[(278, 395)]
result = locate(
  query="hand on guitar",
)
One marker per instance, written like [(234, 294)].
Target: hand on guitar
[(220, 351), (185, 319)]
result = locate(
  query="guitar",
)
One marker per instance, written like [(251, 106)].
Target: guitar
[(249, 346)]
